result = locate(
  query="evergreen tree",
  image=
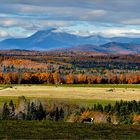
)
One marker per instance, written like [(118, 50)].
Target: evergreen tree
[(11, 110), (57, 117), (52, 115), (82, 109), (40, 112), (95, 107), (107, 108), (28, 115), (127, 119), (116, 108), (134, 106), (100, 107), (5, 112), (129, 106), (122, 110), (33, 111), (121, 103), (61, 113), (138, 108)]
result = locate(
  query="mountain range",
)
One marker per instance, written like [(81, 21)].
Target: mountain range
[(52, 39)]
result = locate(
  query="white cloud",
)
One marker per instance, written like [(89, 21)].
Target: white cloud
[(132, 21), (113, 32), (9, 22), (3, 33), (97, 12), (21, 18)]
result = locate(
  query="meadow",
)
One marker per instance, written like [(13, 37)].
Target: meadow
[(65, 130), (86, 95)]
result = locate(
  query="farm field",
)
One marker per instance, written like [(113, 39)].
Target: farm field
[(76, 94)]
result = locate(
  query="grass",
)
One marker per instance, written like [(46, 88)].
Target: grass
[(77, 94), (78, 85), (102, 85), (65, 92), (89, 103), (7, 99), (80, 102), (64, 130)]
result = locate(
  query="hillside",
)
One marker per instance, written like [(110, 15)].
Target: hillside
[(113, 48)]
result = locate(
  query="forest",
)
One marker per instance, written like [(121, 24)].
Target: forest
[(34, 67)]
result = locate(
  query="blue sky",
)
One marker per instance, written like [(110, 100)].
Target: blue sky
[(21, 18)]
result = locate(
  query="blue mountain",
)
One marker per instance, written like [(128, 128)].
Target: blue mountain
[(43, 40), (53, 39)]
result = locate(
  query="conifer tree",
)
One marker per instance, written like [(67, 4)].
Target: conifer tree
[(33, 111), (107, 108), (5, 112), (40, 112), (28, 115), (134, 106), (11, 109), (57, 117), (116, 108), (61, 113), (100, 107)]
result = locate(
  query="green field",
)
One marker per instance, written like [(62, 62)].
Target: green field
[(64, 130), (78, 85), (102, 85), (80, 102)]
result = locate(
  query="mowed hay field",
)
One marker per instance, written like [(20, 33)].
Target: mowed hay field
[(66, 92)]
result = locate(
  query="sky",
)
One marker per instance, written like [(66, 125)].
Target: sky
[(109, 18)]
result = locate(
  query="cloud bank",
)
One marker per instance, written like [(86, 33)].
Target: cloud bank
[(20, 18)]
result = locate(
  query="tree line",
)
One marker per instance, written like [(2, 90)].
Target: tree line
[(57, 78), (31, 111), (121, 112)]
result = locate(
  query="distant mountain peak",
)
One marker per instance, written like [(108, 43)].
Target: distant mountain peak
[(54, 38), (49, 30), (40, 32)]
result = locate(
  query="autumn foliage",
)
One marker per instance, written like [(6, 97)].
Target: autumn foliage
[(34, 67), (56, 78)]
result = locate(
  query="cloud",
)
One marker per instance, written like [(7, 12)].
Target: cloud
[(89, 10), (132, 21), (97, 12), (120, 32), (3, 33), (106, 17), (8, 22)]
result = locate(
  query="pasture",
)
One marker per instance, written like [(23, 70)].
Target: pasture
[(64, 130), (86, 95)]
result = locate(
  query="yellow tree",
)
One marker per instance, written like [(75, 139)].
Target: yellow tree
[(70, 79), (82, 79), (57, 78)]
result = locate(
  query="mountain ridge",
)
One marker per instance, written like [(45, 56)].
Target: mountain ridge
[(52, 39)]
